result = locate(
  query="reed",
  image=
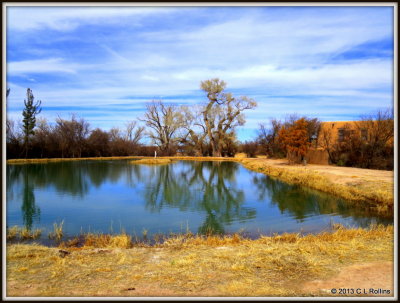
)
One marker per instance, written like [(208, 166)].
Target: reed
[(57, 232), (25, 233), (22, 233), (12, 232)]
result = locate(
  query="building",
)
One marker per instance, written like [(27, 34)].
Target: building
[(332, 133)]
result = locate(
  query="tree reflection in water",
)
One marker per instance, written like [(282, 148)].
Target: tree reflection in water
[(199, 186), (207, 188), (29, 209), (302, 202)]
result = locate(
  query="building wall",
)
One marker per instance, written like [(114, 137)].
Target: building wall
[(317, 156), (332, 129), (329, 131)]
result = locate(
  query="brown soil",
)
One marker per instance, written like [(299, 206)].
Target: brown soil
[(369, 279)]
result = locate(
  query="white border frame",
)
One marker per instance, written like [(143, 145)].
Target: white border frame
[(182, 4)]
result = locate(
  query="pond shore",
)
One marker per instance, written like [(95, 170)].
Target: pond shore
[(368, 187), (282, 265), (371, 188)]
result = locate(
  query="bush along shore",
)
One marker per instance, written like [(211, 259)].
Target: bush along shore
[(194, 265)]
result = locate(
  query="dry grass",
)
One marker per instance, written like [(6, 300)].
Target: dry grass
[(374, 195), (46, 160), (194, 265), (152, 161), (240, 155), (22, 233), (107, 241), (57, 232), (12, 232), (187, 158)]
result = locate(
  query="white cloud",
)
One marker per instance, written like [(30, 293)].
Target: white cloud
[(51, 65), (264, 54), (68, 18)]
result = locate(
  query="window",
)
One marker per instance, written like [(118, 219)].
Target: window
[(364, 134), (341, 134)]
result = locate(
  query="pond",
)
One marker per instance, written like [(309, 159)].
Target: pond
[(203, 197)]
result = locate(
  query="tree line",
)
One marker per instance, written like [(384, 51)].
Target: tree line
[(366, 143), (207, 129)]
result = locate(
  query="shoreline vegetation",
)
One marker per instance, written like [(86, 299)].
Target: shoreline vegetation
[(154, 161), (194, 265), (214, 265), (371, 192)]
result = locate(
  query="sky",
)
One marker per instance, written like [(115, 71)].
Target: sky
[(105, 64)]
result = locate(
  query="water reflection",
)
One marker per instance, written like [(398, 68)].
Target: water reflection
[(29, 210), (199, 186), (219, 193), (302, 202)]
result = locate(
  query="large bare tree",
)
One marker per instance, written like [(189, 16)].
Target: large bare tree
[(165, 122), (221, 114)]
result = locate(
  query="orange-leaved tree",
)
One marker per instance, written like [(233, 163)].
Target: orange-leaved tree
[(294, 140)]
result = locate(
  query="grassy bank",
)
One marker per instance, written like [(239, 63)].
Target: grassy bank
[(375, 194), (152, 161), (193, 265), (47, 160)]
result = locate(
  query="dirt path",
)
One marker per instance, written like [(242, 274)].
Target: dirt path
[(369, 279), (339, 175)]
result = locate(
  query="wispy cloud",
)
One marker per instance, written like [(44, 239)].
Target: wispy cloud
[(51, 65), (69, 18), (331, 62)]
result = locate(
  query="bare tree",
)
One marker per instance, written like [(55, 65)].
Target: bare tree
[(164, 122), (71, 135), (378, 127), (268, 138), (222, 114), (195, 139), (133, 133), (115, 134), (376, 136), (98, 143), (43, 136)]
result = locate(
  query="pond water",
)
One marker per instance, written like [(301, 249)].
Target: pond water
[(220, 197)]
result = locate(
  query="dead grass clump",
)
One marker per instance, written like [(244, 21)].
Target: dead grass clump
[(74, 242), (240, 155), (107, 241), (12, 232), (57, 232), (187, 240), (28, 234), (23, 233), (153, 161)]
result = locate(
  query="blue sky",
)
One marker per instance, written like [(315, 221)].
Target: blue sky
[(105, 63)]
